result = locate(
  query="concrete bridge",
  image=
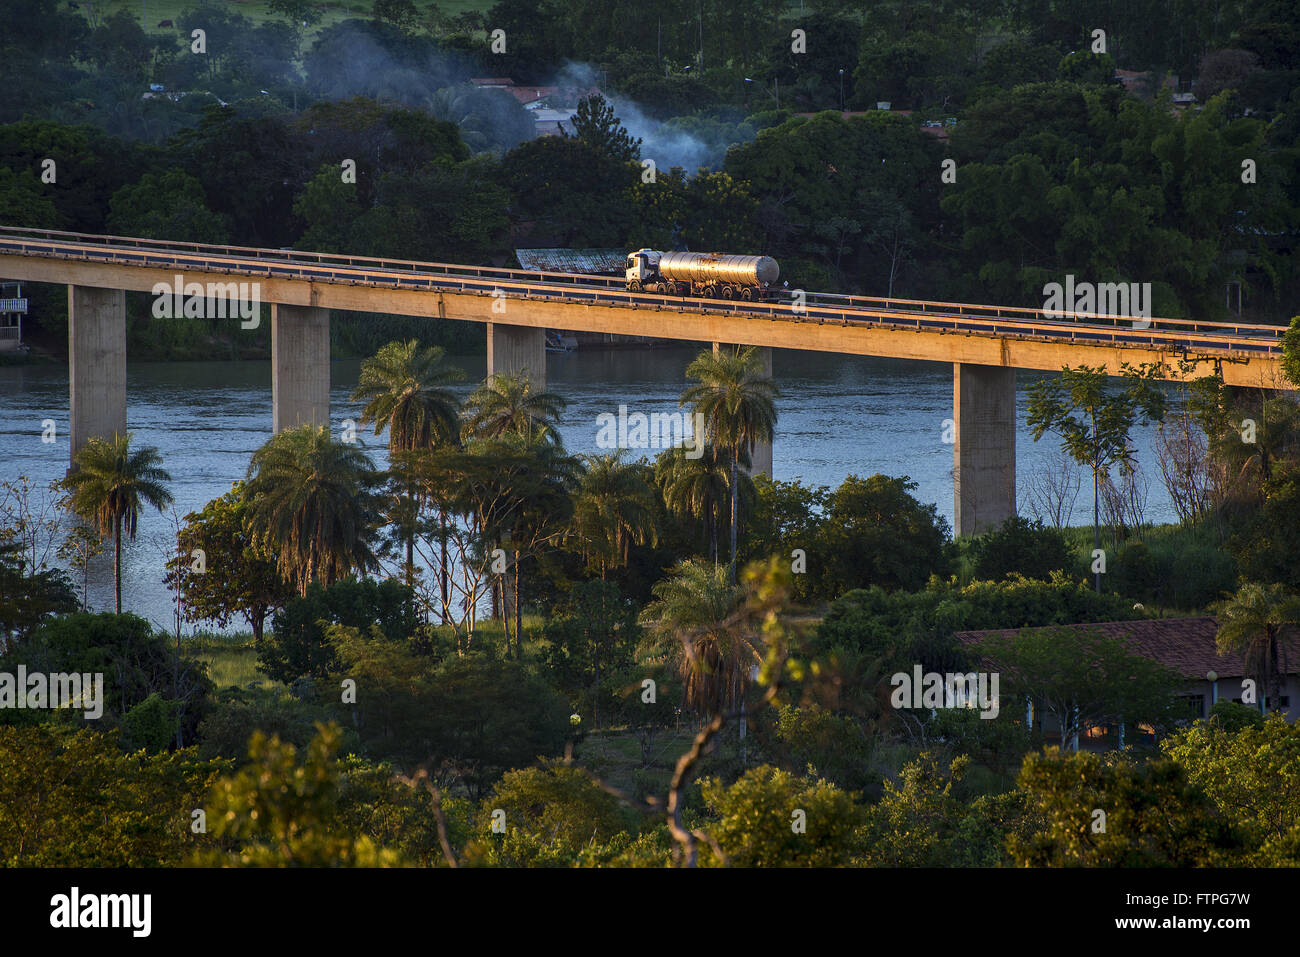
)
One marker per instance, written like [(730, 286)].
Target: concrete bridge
[(985, 344)]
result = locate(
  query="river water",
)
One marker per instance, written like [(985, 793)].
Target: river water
[(838, 415)]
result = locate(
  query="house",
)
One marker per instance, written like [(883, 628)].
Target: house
[(551, 106), (1188, 647), (13, 306)]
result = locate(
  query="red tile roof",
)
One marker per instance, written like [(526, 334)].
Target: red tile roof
[(1187, 645)]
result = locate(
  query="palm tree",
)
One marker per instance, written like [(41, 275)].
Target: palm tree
[(1276, 434), (312, 501), (506, 404), (695, 624), (109, 483), (537, 483), (406, 391), (613, 509), (695, 488), (1251, 623), (737, 399)]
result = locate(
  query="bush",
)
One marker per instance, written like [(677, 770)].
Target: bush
[(299, 647), (876, 533), (1232, 716), (907, 628), (557, 803), (237, 713), (135, 662), (1020, 547), (150, 725), (756, 820)]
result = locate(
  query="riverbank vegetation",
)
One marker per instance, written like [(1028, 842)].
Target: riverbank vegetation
[(493, 653)]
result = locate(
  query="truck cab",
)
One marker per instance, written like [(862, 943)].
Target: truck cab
[(642, 268)]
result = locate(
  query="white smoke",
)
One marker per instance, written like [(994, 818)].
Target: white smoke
[(668, 147)]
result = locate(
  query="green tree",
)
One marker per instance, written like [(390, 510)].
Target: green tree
[(592, 639), (488, 717), (1251, 624), (1154, 817), (167, 205), (27, 596), (282, 812), (770, 818), (135, 661), (236, 578), (736, 398), (1020, 547), (109, 484), (331, 209), (400, 13), (556, 802), (695, 624), (1291, 352), (295, 12), (695, 488), (312, 504), (508, 404), (1093, 425), (876, 533), (23, 203), (1252, 774), (406, 391), (916, 821), (614, 508), (597, 125), (300, 645), (73, 799)]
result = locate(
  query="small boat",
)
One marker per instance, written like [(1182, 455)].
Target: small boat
[(560, 342)]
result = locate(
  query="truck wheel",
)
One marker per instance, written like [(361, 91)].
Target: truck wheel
[(672, 288), (634, 286), (728, 292), (747, 294)]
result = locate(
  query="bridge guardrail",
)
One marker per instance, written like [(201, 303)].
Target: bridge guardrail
[(1251, 339)]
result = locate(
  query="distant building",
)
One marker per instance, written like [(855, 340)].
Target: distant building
[(1186, 646), (12, 309), (551, 106), (589, 262)]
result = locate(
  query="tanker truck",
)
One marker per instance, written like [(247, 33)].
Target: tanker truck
[(708, 275)]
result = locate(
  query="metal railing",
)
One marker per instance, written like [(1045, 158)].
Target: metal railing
[(907, 314)]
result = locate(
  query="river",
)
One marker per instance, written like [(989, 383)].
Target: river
[(838, 415)]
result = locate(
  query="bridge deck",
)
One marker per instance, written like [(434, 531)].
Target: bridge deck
[(1246, 354)]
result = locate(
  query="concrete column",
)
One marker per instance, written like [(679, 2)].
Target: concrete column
[(984, 449), (761, 459), (517, 349), (96, 364), (300, 366)]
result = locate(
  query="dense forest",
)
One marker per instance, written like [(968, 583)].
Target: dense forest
[(1067, 161)]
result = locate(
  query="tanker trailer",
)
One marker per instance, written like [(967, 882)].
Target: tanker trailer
[(708, 275)]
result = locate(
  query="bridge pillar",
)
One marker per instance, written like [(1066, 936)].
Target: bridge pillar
[(517, 349), (300, 366), (761, 458), (984, 447), (96, 364)]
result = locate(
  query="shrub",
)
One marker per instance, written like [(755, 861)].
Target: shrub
[(1020, 547)]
